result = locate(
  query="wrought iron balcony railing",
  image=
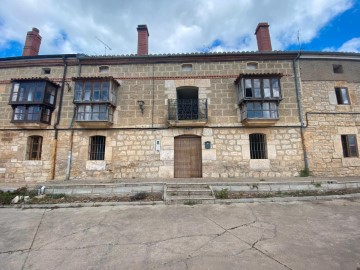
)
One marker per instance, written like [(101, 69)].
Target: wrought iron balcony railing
[(188, 109)]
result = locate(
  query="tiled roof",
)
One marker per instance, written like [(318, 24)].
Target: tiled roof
[(35, 79), (260, 74), (96, 78)]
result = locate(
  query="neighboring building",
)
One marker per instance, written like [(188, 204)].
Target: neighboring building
[(241, 114)]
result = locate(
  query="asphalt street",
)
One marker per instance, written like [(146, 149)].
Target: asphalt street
[(296, 235)]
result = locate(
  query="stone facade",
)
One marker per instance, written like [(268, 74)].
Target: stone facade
[(326, 119), (130, 150)]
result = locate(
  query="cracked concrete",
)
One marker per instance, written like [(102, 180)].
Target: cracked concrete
[(299, 235)]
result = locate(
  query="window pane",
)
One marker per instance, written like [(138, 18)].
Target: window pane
[(78, 91), (275, 87), (267, 93), (34, 113), (257, 88), (87, 91), (39, 92), (96, 95), (22, 92), (31, 92), (15, 92), (19, 113), (344, 95), (248, 89), (87, 112), (105, 91), (34, 147)]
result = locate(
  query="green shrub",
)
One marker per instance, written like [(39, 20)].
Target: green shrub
[(222, 194)]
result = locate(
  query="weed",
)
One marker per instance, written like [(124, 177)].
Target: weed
[(173, 193), (262, 180), (253, 186), (222, 194), (56, 196), (138, 196), (304, 173), (190, 202), (317, 184)]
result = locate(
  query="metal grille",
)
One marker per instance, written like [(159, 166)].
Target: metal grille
[(34, 147), (258, 146), (97, 148), (188, 109)]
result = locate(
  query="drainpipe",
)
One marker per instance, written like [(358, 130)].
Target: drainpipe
[(68, 164), (299, 104), (54, 150)]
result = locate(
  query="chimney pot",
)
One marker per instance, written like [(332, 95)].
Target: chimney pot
[(143, 39), (263, 37), (32, 43)]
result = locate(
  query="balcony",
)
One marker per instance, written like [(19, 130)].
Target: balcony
[(187, 112), (259, 113)]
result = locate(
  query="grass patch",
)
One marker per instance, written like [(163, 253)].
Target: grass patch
[(304, 173), (317, 184), (222, 194), (190, 202)]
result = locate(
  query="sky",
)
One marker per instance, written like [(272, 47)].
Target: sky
[(179, 26)]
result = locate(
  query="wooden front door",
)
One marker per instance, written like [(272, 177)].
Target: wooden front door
[(187, 157)]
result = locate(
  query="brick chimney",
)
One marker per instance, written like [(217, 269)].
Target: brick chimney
[(32, 43), (143, 39), (263, 37)]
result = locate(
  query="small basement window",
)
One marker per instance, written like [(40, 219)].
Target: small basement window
[(104, 69), (46, 71), (252, 65), (338, 69), (186, 67)]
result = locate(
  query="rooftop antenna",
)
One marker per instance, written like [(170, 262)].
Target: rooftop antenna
[(298, 40), (105, 45)]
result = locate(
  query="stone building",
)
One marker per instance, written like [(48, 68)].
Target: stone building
[(215, 115)]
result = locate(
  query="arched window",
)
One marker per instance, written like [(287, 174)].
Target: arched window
[(97, 148), (258, 146), (34, 146)]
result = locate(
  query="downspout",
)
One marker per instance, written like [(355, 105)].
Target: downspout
[(153, 96), (68, 164), (54, 150), (299, 104)]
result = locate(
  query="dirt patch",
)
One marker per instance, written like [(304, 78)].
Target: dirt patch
[(300, 193)]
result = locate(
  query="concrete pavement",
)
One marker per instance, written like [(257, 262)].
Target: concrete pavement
[(298, 235)]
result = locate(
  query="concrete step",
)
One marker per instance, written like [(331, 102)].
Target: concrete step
[(185, 192), (187, 185), (190, 197), (189, 201)]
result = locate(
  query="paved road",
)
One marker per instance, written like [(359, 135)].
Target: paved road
[(299, 235)]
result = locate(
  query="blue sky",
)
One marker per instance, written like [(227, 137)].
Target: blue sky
[(179, 26)]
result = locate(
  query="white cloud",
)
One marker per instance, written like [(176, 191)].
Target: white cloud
[(174, 26), (352, 45)]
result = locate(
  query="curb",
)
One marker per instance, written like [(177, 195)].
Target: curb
[(216, 201)]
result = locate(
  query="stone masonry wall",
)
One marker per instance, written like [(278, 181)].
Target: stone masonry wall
[(324, 130), (130, 141)]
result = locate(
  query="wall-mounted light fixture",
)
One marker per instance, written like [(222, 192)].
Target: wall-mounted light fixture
[(141, 104)]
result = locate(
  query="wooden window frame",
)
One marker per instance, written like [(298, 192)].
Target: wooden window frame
[(348, 149), (34, 147)]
